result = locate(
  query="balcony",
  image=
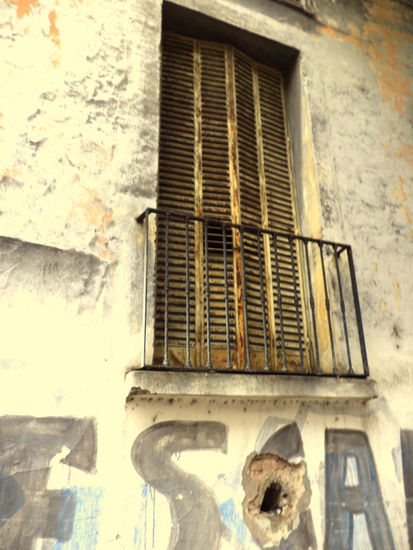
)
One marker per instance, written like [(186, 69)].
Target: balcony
[(222, 297)]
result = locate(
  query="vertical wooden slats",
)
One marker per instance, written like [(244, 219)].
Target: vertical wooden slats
[(234, 183), (224, 154), (198, 208), (250, 196), (280, 201), (216, 191), (269, 293), (176, 186)]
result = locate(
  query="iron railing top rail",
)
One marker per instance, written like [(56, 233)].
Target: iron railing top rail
[(321, 246), (245, 226)]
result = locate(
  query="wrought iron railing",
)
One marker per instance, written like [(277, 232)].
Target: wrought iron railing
[(226, 297)]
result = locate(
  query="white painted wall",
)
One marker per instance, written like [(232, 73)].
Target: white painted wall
[(78, 162)]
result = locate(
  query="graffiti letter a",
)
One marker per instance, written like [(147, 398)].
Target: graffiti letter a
[(352, 490)]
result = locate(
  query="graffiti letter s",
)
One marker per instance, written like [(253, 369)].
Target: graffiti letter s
[(196, 520)]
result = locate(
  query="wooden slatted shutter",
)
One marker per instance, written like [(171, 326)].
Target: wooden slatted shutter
[(224, 154)]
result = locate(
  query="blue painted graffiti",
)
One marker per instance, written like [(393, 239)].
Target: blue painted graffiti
[(85, 529)]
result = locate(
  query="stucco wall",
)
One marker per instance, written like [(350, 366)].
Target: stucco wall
[(79, 119)]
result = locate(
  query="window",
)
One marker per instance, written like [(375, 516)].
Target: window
[(236, 287), (224, 156)]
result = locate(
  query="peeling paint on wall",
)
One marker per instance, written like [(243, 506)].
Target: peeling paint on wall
[(54, 35), (23, 7), (396, 292), (100, 217), (405, 152), (380, 42)]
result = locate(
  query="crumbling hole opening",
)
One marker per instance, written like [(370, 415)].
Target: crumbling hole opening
[(272, 497)]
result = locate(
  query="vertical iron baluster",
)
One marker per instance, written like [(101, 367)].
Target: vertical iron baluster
[(244, 301), (296, 304), (226, 295), (145, 287), (262, 295), (187, 297), (327, 304), (279, 300), (312, 307), (207, 297), (358, 311), (343, 310), (166, 288)]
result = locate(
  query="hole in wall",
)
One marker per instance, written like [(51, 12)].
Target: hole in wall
[(274, 499), (276, 492)]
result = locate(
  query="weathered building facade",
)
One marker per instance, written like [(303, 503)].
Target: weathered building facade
[(294, 117)]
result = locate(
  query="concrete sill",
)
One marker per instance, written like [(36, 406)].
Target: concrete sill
[(143, 383)]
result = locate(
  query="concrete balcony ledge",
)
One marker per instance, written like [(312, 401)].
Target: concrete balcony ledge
[(144, 384)]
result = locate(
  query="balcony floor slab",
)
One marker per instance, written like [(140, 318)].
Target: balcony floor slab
[(240, 385)]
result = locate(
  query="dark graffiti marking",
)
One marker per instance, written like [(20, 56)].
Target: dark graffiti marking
[(28, 510), (406, 441), (352, 488), (44, 270), (11, 498), (285, 442), (196, 520)]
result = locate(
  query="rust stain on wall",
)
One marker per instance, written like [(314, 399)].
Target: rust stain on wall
[(331, 32), (9, 174), (405, 152), (396, 291), (381, 42), (400, 193), (23, 7), (402, 198), (54, 35), (98, 216), (383, 50)]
